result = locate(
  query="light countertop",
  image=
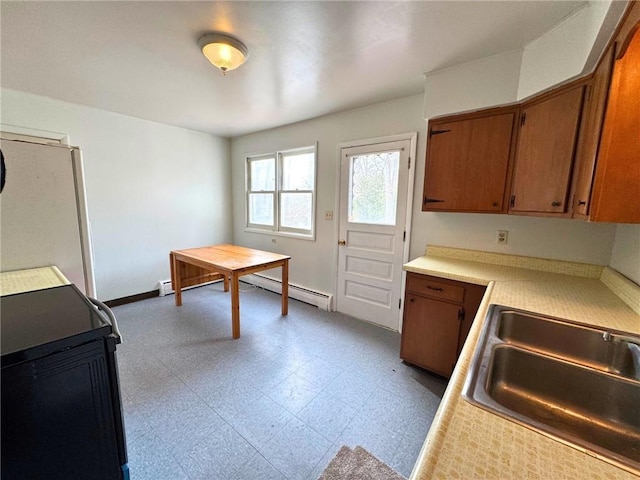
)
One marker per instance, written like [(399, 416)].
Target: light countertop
[(19, 281), (468, 442)]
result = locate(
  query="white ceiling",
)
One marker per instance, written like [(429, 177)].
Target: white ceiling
[(306, 59)]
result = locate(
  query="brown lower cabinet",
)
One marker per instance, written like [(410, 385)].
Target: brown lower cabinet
[(438, 314)]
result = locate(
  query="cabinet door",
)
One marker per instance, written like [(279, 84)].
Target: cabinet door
[(616, 190), (57, 417), (545, 151), (472, 299), (592, 119), (430, 334), (467, 164)]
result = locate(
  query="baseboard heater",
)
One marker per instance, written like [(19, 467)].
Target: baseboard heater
[(313, 297), (164, 287)]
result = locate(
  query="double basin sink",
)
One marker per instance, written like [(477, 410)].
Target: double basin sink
[(576, 383)]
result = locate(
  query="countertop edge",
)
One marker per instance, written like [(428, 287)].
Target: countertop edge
[(427, 464)]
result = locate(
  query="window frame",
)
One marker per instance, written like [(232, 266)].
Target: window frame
[(249, 192), (277, 228)]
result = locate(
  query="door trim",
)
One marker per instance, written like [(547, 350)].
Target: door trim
[(413, 139)]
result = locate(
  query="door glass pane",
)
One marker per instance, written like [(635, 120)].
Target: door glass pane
[(298, 171), (261, 208), (263, 175), (295, 210), (373, 188)]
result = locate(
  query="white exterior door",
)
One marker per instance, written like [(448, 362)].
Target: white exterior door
[(374, 187)]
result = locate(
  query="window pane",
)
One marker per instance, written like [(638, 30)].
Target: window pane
[(298, 171), (261, 208), (263, 175), (295, 210), (373, 188)]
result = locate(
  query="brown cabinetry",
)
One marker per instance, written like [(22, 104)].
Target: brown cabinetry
[(437, 317), (573, 151), (468, 162), (592, 118), (616, 188), (608, 166), (545, 152)]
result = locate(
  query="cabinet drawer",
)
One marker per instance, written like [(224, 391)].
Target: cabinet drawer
[(424, 285)]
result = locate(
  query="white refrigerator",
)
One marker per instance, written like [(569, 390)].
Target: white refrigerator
[(43, 210)]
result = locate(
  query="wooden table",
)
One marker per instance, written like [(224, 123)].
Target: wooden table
[(229, 262)]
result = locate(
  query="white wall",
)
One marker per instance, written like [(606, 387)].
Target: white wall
[(497, 80), (473, 85), (151, 188), (314, 263), (562, 52), (556, 238), (625, 256)]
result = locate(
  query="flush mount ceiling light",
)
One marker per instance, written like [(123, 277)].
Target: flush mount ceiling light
[(225, 52)]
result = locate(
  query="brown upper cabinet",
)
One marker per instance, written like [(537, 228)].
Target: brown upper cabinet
[(574, 151), (616, 188), (545, 152), (592, 119), (468, 162)]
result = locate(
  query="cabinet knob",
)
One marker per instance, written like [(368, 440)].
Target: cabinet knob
[(494, 204), (555, 204), (582, 202)]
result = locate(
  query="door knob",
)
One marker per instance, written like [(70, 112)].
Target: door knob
[(342, 242)]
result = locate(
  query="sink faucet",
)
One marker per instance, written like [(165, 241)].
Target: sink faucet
[(614, 337), (633, 343)]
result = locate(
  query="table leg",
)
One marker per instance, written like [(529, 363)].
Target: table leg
[(226, 282), (177, 281), (285, 287), (235, 305)]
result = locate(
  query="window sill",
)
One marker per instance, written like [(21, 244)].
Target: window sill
[(273, 233)]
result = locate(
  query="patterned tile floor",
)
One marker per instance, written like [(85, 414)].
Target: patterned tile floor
[(276, 404)]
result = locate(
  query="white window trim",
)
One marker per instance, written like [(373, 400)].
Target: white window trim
[(274, 193), (277, 229)]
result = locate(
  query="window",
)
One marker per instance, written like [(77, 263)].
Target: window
[(373, 190), (281, 192)]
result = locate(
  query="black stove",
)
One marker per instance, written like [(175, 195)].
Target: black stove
[(61, 406)]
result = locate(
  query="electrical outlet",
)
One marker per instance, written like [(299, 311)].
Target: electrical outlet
[(274, 240), (328, 215), (502, 237)]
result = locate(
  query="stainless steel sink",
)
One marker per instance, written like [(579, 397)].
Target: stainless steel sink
[(570, 381), (573, 341)]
